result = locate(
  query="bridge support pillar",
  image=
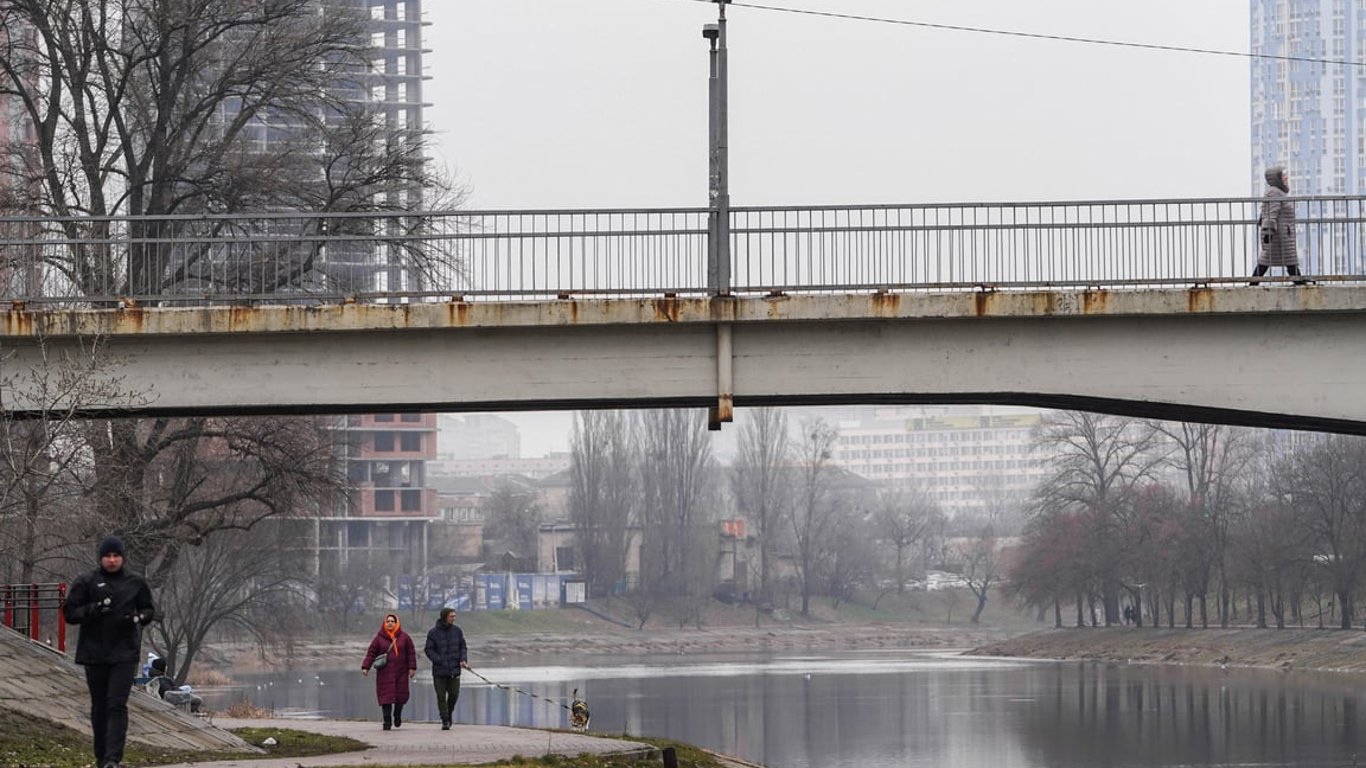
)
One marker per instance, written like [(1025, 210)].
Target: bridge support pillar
[(724, 410)]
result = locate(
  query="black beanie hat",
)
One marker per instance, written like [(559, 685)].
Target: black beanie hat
[(112, 545)]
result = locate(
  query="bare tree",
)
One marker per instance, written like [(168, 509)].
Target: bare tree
[(167, 485), (676, 465), (760, 488), (148, 109), (514, 517), (45, 460), (981, 568), (601, 499), (1326, 482), (853, 562), (903, 515), (1096, 464), (815, 510), (233, 579), (1212, 459)]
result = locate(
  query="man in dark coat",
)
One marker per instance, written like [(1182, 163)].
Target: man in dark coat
[(446, 650), (111, 605)]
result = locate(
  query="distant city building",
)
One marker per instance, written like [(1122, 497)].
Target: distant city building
[(535, 469), (477, 436), (1311, 116), (968, 459)]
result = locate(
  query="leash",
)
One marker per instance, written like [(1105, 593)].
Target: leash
[(515, 689)]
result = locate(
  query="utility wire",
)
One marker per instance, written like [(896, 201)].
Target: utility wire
[(1035, 35)]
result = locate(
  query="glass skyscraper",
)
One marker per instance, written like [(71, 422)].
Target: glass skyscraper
[(1310, 115)]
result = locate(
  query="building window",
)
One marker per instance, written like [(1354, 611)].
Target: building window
[(384, 441), (410, 441), (411, 501), (411, 418), (384, 501), (384, 417), (564, 558)]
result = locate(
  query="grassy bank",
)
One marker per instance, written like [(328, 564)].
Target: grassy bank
[(1331, 650), (30, 742)]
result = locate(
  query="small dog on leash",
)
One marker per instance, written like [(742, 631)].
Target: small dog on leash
[(578, 713)]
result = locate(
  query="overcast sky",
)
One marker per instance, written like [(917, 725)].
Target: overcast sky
[(550, 103)]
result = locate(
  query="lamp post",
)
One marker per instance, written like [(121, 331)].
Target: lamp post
[(718, 219)]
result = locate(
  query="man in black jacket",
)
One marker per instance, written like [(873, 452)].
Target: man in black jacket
[(111, 605), (446, 650)]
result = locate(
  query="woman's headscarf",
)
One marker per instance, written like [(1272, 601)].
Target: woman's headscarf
[(393, 636)]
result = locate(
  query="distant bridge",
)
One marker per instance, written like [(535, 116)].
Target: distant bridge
[(1138, 307)]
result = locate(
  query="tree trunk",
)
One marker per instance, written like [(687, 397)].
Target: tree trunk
[(1057, 613)]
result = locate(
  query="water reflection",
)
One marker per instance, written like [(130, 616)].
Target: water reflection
[(902, 709)]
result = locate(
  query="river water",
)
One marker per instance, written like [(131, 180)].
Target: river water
[(902, 708)]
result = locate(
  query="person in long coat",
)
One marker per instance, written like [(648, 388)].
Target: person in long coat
[(1276, 228), (400, 666)]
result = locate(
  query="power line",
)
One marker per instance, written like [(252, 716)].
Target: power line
[(1035, 35)]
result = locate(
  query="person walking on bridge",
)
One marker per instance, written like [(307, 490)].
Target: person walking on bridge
[(1276, 228), (446, 650), (394, 660), (111, 605)]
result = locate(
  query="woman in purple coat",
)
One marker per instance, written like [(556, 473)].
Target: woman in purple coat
[(392, 674)]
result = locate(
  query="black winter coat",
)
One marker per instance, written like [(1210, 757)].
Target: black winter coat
[(108, 634), (445, 649)]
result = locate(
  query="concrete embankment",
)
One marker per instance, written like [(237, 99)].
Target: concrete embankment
[(1329, 650), (39, 682)]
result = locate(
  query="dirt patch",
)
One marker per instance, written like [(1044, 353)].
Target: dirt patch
[(1329, 650)]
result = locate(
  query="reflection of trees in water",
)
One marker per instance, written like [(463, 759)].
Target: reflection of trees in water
[(1114, 715)]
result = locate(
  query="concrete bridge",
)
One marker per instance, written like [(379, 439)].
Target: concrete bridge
[(1271, 356), (1133, 307)]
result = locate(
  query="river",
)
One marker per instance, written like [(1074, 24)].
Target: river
[(898, 708)]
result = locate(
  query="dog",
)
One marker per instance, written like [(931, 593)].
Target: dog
[(578, 713)]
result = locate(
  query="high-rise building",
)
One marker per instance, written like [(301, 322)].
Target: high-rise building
[(393, 500), (969, 459), (1310, 115)]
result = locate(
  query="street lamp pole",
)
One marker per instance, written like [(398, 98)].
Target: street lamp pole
[(718, 219)]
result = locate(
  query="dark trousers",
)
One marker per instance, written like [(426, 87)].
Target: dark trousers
[(1291, 270), (109, 686), (447, 693), (393, 713)]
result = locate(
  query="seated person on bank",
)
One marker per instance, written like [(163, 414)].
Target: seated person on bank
[(162, 685)]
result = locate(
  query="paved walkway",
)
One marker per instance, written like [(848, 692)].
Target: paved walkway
[(422, 744)]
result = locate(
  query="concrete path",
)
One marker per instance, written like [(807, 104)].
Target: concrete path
[(422, 744)]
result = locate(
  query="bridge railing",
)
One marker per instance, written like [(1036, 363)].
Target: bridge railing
[(510, 255)]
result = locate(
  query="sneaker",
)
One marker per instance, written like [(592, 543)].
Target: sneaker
[(387, 726), (445, 725)]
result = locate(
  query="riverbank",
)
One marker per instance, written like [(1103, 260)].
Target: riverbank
[(1327, 650), (913, 620), (503, 648)]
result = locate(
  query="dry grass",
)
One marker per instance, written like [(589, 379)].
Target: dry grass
[(203, 678), (245, 710)]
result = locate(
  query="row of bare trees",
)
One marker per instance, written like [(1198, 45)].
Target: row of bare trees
[(649, 480), (1195, 524)]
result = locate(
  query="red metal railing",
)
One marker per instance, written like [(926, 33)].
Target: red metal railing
[(36, 609)]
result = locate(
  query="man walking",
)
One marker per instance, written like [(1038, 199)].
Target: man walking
[(111, 605), (446, 650)]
